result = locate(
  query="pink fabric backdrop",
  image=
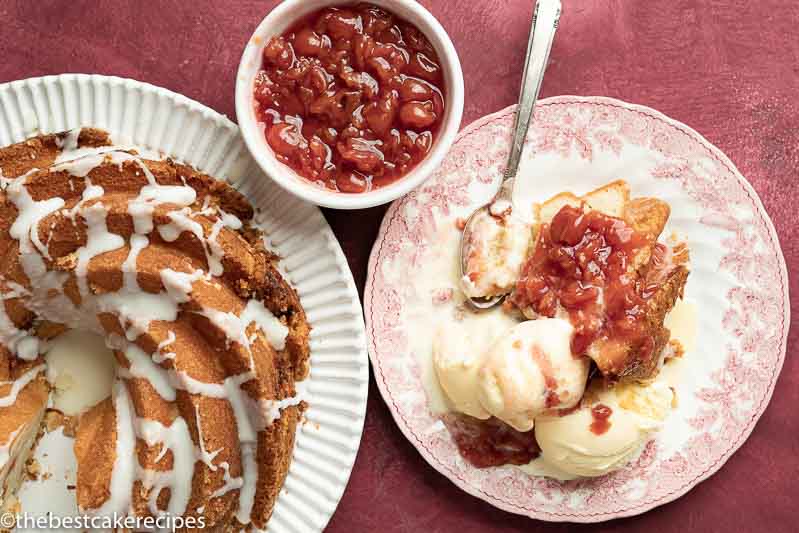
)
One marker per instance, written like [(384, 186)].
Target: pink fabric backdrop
[(727, 68)]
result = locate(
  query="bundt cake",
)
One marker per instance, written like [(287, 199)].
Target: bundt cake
[(209, 340)]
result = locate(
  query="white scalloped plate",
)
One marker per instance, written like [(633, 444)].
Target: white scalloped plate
[(738, 282), (312, 259)]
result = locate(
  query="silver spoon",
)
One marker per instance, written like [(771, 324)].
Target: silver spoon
[(542, 33)]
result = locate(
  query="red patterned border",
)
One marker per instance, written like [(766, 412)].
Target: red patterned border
[(706, 192)]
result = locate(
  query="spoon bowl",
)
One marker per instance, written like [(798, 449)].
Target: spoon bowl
[(545, 23)]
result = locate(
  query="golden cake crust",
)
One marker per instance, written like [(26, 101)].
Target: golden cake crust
[(195, 350)]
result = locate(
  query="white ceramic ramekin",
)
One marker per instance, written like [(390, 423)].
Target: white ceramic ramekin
[(274, 24)]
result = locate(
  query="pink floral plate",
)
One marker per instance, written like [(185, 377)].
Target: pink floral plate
[(738, 282)]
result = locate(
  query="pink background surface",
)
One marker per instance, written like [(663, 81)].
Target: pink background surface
[(729, 69)]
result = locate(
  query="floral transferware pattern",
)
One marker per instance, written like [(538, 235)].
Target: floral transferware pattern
[(737, 264)]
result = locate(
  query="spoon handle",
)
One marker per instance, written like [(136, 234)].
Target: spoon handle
[(545, 23)]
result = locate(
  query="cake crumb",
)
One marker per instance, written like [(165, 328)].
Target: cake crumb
[(53, 420), (677, 349), (70, 426), (49, 330), (33, 469), (66, 263), (675, 402)]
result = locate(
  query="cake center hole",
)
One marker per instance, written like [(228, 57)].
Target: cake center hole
[(80, 369)]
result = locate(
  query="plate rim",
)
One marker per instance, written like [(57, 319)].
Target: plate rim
[(391, 213), (360, 391)]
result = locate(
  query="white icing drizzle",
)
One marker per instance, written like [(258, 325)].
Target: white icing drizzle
[(5, 449), (69, 142), (90, 192), (225, 220), (202, 454), (130, 273), (231, 483), (269, 410), (18, 384), (229, 389), (122, 471), (84, 162), (13, 337), (170, 338), (178, 284), (206, 209), (275, 331), (78, 153), (160, 356), (235, 327), (30, 213), (142, 207), (239, 401), (142, 366), (182, 221), (194, 386), (98, 241), (231, 325), (249, 479), (136, 309), (176, 438)]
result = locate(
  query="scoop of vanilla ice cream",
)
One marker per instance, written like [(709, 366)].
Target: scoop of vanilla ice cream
[(495, 250), (569, 444), (531, 370), (457, 361)]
